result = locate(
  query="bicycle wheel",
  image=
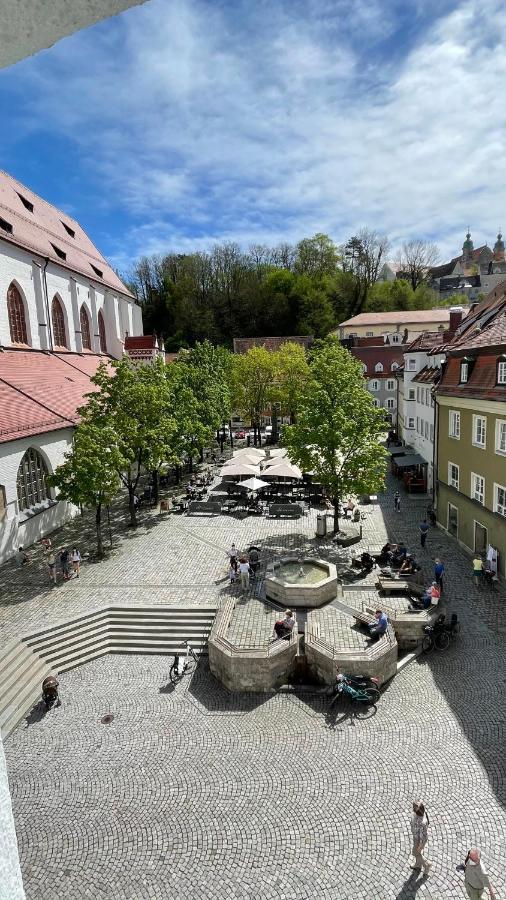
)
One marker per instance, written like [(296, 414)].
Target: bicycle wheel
[(442, 640), (427, 643), (373, 696), (174, 676)]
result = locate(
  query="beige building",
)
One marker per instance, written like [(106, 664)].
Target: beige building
[(395, 327)]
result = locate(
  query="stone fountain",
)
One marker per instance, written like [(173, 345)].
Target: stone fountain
[(306, 582)]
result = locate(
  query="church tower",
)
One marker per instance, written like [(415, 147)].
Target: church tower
[(467, 251), (499, 249)]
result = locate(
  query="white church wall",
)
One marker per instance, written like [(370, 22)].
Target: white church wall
[(11, 885)]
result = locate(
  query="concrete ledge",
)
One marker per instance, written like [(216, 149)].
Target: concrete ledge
[(378, 661), (248, 668)]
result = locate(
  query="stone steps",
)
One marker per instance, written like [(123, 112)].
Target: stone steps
[(114, 629)]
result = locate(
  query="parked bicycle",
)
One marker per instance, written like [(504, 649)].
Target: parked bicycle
[(356, 688), (183, 664), (441, 633)]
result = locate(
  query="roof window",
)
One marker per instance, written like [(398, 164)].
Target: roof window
[(59, 252), (97, 271), (5, 225), (26, 203), (68, 229)]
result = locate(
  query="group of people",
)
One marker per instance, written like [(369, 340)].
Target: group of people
[(243, 566), (69, 559), (476, 879)]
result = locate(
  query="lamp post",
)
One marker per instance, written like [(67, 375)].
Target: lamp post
[(276, 407)]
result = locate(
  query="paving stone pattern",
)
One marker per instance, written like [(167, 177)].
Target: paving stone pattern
[(196, 792)]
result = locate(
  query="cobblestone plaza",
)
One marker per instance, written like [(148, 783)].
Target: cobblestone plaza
[(195, 792)]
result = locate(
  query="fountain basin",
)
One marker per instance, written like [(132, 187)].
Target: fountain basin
[(305, 582)]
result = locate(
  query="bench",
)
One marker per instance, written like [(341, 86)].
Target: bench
[(204, 506), (399, 586), (285, 509)]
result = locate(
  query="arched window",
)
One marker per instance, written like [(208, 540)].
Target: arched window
[(16, 312), (58, 321), (31, 482), (101, 332), (85, 328), (378, 367)]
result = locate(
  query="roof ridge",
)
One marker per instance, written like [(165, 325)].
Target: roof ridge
[(39, 197)]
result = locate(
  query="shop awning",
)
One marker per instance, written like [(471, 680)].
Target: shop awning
[(409, 462)]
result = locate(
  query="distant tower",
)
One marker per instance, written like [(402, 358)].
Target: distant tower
[(499, 248), (467, 250)]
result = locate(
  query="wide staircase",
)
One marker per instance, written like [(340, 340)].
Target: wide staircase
[(113, 629)]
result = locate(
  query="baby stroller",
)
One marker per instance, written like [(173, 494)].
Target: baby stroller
[(50, 692)]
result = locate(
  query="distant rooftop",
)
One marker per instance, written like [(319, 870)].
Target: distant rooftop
[(401, 317)]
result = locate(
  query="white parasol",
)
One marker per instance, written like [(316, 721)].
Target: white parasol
[(237, 469), (283, 470), (254, 484), (251, 459), (249, 451)]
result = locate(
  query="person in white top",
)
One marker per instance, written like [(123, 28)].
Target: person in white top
[(419, 831), (476, 879), (233, 554), (244, 572), (76, 561)]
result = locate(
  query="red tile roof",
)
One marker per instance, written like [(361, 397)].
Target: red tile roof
[(42, 230), (42, 391), (385, 354), (482, 379), (242, 345), (428, 375), (427, 340), (405, 317), (141, 342)]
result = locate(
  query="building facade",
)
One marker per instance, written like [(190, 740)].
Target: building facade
[(63, 310), (380, 361), (475, 271), (471, 431), (398, 327)]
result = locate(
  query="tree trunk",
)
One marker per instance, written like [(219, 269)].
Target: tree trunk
[(154, 476), (98, 526), (231, 435), (131, 506), (335, 501), (201, 454)]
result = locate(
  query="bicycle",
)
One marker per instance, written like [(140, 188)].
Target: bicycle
[(357, 689), (180, 667), (440, 634)]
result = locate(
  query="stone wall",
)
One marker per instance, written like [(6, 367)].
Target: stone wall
[(11, 886)]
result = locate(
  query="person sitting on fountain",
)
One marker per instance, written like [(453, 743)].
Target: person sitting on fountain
[(399, 555), (385, 556), (367, 562), (284, 627), (430, 598), (408, 566), (350, 506), (380, 626)]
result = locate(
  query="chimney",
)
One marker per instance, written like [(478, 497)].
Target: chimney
[(456, 313)]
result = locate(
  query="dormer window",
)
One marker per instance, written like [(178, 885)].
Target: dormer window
[(378, 367), (97, 271), (464, 372), (26, 203), (59, 252), (5, 225), (501, 370)]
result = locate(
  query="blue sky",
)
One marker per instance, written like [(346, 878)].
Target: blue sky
[(179, 124)]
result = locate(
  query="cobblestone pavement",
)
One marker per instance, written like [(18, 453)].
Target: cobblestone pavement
[(196, 792)]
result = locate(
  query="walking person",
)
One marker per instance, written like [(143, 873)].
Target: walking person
[(76, 562), (233, 554), (419, 831), (397, 502), (424, 530), (65, 563), (477, 570), (476, 879), (439, 570), (51, 565), (244, 573)]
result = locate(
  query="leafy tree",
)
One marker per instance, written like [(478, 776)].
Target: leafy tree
[(292, 372), (317, 256), (89, 476), (136, 402), (363, 256), (337, 432), (253, 376), (205, 372)]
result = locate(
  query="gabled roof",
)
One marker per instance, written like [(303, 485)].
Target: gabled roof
[(42, 391), (49, 232), (242, 345), (492, 335), (482, 379), (426, 341), (427, 375), (401, 317)]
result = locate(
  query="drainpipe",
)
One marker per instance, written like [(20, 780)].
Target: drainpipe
[(434, 450), (49, 323)]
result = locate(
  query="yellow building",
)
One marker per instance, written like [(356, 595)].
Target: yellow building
[(399, 327)]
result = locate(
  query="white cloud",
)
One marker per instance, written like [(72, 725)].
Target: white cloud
[(269, 122)]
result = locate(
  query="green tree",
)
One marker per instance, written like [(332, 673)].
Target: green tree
[(317, 256), (253, 384), (292, 373), (337, 432), (205, 372), (89, 476), (136, 402)]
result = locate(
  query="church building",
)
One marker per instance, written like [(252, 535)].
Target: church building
[(63, 310)]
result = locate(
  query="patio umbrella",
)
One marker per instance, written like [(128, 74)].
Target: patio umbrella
[(249, 451), (277, 461), (254, 484), (283, 470), (251, 459), (278, 451), (237, 469)]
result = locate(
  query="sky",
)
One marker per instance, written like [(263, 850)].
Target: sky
[(182, 123)]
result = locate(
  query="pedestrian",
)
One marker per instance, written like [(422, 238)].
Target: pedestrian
[(476, 879), (76, 562), (46, 543), (477, 569), (21, 557), (424, 530), (51, 565), (439, 570), (232, 573), (284, 627), (419, 831), (65, 563), (244, 573), (233, 554), (397, 502)]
